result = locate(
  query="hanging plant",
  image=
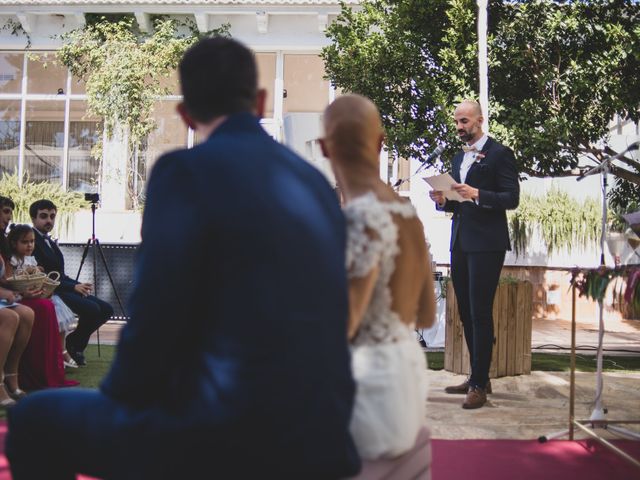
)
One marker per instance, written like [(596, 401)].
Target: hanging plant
[(561, 220)]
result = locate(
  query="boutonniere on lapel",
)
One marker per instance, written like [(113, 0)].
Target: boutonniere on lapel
[(478, 156)]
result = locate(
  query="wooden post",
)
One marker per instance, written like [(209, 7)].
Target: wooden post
[(512, 312)]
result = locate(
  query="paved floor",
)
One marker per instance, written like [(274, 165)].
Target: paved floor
[(528, 406)]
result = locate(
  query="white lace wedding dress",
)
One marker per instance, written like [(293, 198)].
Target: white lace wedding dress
[(388, 363)]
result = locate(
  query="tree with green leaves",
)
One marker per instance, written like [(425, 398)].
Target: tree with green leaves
[(124, 69), (559, 72)]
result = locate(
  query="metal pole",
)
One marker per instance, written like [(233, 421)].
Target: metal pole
[(572, 381), (483, 68)]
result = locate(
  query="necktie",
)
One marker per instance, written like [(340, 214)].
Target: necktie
[(466, 148)]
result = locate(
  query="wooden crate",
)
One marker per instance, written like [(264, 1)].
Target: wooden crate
[(512, 314)]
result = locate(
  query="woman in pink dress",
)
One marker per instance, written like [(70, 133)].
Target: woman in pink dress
[(41, 365)]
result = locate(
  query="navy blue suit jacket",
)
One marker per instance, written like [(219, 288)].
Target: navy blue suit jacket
[(482, 227), (236, 351), (52, 260)]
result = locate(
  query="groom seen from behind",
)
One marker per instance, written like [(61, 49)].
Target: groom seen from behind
[(235, 360)]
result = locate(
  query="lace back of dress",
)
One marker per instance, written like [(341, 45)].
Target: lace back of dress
[(373, 241)]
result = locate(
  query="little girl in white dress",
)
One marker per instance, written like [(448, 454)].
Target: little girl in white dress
[(22, 242)]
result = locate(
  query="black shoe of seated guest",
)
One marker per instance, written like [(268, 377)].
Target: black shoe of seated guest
[(77, 356)]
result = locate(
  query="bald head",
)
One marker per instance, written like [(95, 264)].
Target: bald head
[(470, 107), (468, 120), (353, 129)]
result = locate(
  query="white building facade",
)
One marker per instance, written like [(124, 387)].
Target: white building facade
[(47, 135)]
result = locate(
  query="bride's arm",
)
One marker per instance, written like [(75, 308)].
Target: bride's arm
[(360, 290)]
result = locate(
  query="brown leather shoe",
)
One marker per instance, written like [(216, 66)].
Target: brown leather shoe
[(463, 388), (476, 398)]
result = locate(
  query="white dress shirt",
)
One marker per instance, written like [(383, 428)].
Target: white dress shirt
[(470, 157)]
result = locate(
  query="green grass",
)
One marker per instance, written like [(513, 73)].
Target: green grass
[(97, 366), (91, 375), (559, 362)]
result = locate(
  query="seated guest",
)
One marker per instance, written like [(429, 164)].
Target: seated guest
[(16, 322), (194, 387), (92, 312), (42, 362)]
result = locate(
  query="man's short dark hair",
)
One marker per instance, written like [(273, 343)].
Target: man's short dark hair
[(218, 77), (7, 202), (41, 205)]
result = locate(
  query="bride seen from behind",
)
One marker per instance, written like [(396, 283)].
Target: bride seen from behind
[(390, 284)]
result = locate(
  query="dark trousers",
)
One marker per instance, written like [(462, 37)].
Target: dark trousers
[(92, 313), (475, 279)]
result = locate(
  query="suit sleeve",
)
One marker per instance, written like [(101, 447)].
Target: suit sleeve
[(507, 194), (67, 283), (162, 308), (449, 206)]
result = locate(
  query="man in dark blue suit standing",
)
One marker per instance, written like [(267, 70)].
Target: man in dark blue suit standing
[(488, 182), (235, 361)]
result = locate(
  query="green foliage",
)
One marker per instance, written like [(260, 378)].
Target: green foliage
[(562, 221), (16, 29), (123, 68), (624, 198), (558, 74), (126, 71), (27, 193)]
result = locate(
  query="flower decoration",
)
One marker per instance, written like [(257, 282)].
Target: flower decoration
[(477, 157)]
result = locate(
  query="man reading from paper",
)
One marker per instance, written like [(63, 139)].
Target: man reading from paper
[(485, 172)]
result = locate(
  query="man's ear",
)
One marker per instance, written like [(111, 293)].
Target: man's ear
[(186, 118), (261, 98), (323, 147), (380, 142)]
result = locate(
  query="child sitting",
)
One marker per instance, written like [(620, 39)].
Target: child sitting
[(22, 243)]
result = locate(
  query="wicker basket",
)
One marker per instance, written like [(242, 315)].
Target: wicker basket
[(22, 281), (51, 281)]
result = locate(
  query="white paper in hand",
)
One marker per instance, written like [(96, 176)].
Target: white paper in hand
[(444, 183)]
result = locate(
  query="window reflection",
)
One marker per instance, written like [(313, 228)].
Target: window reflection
[(45, 75), (44, 141), (9, 136), (171, 134), (11, 72), (266, 63), (307, 90), (84, 134)]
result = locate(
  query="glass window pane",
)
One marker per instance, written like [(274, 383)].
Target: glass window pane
[(84, 133), (11, 72), (45, 75), (307, 90), (266, 63), (9, 135), (171, 83), (78, 86), (170, 134), (44, 141)]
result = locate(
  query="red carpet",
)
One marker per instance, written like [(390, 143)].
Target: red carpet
[(528, 460), (505, 460)]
